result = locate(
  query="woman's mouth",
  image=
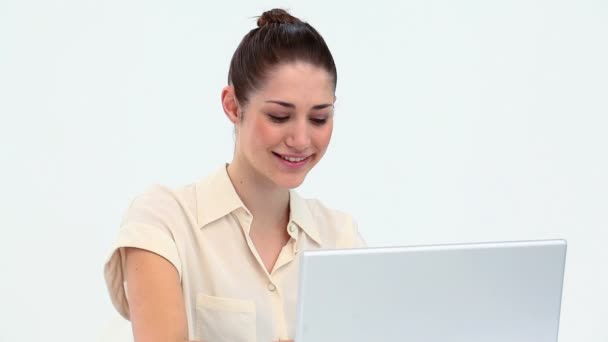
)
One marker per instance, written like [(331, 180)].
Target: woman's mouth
[(292, 161)]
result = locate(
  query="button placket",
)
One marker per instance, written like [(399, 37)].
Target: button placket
[(245, 221), (278, 312), (292, 228), (293, 232), (294, 247)]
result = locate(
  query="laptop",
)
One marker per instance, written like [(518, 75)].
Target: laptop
[(498, 292)]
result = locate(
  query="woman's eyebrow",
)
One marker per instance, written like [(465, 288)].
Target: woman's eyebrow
[(292, 106)]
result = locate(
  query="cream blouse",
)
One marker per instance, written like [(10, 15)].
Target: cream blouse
[(203, 230)]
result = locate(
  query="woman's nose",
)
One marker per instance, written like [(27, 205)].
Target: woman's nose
[(299, 137)]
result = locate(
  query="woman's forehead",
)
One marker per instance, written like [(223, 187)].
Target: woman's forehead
[(299, 81)]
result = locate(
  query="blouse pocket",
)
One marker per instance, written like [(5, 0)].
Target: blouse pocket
[(225, 319)]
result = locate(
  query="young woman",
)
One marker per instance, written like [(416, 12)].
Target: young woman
[(217, 260)]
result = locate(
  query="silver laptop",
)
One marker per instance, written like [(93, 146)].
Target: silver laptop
[(487, 292)]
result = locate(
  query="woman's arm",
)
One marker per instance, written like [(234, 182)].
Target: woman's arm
[(156, 302)]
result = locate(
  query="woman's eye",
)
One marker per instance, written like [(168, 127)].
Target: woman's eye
[(319, 121), (278, 119)]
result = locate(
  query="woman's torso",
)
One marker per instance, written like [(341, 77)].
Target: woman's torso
[(203, 230)]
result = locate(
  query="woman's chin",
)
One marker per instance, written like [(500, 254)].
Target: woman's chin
[(289, 181)]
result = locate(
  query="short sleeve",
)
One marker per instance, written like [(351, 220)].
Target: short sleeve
[(147, 224)]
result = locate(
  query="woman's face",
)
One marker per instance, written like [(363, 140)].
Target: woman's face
[(285, 128)]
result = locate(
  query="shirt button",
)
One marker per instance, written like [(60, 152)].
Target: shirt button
[(271, 287), (292, 228)]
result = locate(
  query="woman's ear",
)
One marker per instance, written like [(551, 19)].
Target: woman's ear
[(230, 104)]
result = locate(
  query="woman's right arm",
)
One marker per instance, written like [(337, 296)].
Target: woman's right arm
[(156, 302)]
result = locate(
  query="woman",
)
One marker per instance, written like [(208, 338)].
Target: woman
[(218, 260)]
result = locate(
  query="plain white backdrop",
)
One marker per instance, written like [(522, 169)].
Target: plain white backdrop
[(456, 121)]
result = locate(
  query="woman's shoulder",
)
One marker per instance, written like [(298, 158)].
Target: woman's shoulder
[(159, 202), (186, 196), (336, 228), (321, 211)]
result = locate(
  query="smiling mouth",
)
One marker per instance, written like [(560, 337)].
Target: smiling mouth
[(291, 159)]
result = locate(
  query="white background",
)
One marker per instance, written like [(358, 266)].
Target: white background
[(456, 121)]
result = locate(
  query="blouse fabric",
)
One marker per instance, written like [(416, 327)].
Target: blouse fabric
[(202, 229)]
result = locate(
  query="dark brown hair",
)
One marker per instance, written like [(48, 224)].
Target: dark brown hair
[(279, 38)]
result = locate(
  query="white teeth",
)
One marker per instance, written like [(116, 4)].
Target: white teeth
[(293, 160)]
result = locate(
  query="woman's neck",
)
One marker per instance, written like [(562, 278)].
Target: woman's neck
[(268, 203)]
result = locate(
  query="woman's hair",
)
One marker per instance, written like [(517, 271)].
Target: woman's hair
[(279, 38)]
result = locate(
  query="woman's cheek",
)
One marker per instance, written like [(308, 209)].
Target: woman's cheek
[(267, 133)]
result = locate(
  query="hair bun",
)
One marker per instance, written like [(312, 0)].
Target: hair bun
[(277, 16)]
